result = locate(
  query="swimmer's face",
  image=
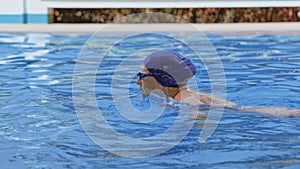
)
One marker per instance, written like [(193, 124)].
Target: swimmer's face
[(148, 84)]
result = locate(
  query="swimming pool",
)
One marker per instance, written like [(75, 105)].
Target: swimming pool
[(40, 129)]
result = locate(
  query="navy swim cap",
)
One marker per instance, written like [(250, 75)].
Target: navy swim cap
[(170, 68)]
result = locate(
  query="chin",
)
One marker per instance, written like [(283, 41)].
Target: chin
[(146, 92)]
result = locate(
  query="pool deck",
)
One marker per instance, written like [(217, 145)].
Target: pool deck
[(278, 28)]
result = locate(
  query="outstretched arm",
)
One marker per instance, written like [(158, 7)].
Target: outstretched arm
[(210, 99), (275, 111)]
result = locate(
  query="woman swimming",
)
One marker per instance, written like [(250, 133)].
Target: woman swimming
[(169, 71)]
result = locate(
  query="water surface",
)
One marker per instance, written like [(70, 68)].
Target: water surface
[(39, 127)]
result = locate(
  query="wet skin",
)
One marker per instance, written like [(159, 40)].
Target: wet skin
[(184, 94)]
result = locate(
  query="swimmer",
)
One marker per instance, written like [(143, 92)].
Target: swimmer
[(169, 71)]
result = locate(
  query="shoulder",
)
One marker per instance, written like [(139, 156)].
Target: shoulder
[(214, 100)]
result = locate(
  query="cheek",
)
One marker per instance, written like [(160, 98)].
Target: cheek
[(151, 83), (144, 86), (147, 83)]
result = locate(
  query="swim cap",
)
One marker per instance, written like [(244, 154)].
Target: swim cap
[(170, 68)]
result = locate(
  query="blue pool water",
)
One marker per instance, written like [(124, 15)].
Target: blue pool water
[(39, 127)]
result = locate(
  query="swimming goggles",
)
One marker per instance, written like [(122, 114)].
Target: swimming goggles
[(142, 75)]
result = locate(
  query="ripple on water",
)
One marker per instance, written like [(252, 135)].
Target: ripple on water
[(39, 127)]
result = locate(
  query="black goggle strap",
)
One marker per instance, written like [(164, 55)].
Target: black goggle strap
[(143, 75)]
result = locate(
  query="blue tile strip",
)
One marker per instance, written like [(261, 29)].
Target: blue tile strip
[(11, 18), (36, 18), (24, 18)]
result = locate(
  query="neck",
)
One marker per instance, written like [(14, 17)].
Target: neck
[(175, 91)]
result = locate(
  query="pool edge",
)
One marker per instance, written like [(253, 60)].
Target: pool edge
[(278, 28)]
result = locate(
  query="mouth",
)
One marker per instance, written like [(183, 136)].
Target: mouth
[(138, 82), (146, 91)]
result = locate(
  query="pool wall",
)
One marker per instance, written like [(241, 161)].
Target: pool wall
[(40, 11), (24, 11)]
